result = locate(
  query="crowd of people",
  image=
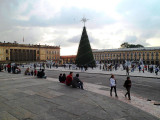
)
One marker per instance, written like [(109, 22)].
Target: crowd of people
[(75, 82), (115, 67), (15, 69), (39, 74), (10, 68)]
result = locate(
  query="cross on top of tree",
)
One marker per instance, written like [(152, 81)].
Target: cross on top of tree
[(84, 20)]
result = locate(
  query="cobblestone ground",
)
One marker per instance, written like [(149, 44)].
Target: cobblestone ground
[(28, 98)]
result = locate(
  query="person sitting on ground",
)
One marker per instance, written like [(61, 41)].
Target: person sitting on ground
[(63, 78), (41, 74), (60, 78), (76, 82), (17, 70), (69, 79), (27, 72)]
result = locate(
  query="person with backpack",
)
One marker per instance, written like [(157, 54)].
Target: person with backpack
[(127, 85), (113, 85)]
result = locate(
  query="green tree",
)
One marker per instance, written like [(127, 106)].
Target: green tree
[(127, 45), (84, 54)]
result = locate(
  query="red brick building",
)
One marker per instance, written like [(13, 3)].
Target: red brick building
[(68, 59)]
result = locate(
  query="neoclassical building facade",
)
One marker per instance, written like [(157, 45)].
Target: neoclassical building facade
[(149, 55), (14, 52)]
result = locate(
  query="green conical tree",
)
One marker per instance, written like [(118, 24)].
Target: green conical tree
[(84, 54)]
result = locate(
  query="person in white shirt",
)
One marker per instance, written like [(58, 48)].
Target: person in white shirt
[(113, 85)]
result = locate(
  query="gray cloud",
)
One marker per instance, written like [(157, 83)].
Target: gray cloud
[(141, 13), (74, 39), (140, 17)]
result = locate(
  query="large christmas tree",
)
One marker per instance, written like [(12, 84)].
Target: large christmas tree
[(84, 54)]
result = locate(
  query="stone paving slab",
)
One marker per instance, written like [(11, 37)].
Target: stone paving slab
[(29, 98), (6, 116)]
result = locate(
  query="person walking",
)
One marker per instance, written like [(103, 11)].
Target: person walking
[(156, 70), (127, 70), (127, 85), (9, 68), (113, 85)]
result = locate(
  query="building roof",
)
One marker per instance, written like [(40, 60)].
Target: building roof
[(28, 45), (127, 49), (68, 56)]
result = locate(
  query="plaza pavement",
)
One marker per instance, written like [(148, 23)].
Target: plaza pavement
[(29, 98)]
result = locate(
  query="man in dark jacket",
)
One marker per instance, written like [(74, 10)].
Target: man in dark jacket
[(41, 74), (127, 85), (76, 82)]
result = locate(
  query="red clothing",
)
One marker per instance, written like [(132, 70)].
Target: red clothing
[(69, 80), (8, 66), (35, 72)]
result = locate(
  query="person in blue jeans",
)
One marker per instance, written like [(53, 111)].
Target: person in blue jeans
[(113, 85)]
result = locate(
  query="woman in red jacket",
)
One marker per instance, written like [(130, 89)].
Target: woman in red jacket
[(69, 79)]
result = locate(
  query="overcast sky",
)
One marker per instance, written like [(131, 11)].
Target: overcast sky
[(57, 22)]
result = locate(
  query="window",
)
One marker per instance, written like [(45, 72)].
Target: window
[(143, 54), (6, 51), (7, 58), (131, 56), (152, 54), (156, 53), (135, 54)]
